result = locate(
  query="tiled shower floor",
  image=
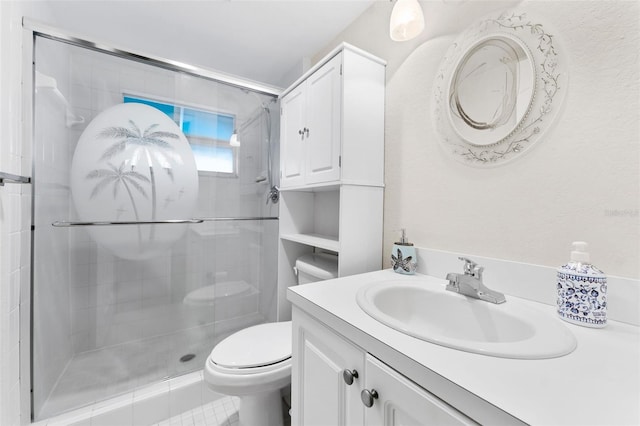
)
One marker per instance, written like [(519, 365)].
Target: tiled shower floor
[(96, 375)]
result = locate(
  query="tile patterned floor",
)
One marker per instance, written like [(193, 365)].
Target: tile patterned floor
[(222, 412)]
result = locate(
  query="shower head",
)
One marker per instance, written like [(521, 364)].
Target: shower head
[(234, 141)]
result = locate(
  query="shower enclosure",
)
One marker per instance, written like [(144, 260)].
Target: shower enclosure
[(111, 317)]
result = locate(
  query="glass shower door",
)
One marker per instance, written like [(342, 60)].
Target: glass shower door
[(118, 306)]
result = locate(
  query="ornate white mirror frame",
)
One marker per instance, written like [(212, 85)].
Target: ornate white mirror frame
[(498, 89)]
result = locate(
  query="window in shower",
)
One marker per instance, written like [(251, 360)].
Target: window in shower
[(208, 133)]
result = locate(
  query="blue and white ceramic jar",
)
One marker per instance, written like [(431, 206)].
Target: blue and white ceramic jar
[(582, 290)]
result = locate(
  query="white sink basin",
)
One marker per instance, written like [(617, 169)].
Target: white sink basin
[(428, 312)]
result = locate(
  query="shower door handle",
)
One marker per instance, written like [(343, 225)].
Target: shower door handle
[(11, 178), (62, 224)]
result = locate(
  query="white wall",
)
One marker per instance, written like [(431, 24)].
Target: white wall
[(581, 181)]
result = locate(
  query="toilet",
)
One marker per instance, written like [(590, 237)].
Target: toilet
[(255, 363)]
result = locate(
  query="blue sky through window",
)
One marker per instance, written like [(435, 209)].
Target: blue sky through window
[(203, 124), (166, 108), (213, 158)]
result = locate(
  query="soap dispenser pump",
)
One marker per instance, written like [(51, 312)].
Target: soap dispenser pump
[(403, 256), (582, 290)]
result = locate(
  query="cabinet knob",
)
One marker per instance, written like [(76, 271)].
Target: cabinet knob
[(301, 132), (306, 130), (367, 396), (349, 375)]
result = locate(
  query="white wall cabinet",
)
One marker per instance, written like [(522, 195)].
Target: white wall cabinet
[(332, 122), (332, 166), (311, 116), (323, 363), (292, 125)]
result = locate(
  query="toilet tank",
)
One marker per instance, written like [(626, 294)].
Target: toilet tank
[(314, 267)]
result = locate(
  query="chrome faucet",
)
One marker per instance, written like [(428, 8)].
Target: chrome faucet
[(470, 283)]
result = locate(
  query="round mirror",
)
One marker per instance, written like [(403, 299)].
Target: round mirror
[(499, 87), (491, 90)]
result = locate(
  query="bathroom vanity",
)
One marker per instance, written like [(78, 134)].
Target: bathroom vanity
[(349, 368)]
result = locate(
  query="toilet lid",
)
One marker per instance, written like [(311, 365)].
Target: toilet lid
[(256, 346)]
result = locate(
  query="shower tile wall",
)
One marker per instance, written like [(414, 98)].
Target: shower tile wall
[(15, 208), (101, 302), (14, 267), (14, 274)]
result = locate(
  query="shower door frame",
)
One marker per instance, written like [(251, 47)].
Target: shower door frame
[(32, 29), (43, 30)]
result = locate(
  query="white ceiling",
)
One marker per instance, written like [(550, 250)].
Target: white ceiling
[(262, 40)]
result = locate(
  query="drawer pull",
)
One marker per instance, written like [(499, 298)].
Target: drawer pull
[(349, 375), (367, 396)]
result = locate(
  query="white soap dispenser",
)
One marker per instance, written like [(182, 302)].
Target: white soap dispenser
[(582, 290), (403, 256)]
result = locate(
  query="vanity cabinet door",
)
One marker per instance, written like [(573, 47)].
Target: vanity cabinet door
[(320, 395), (401, 402)]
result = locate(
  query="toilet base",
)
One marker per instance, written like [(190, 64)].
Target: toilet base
[(262, 409)]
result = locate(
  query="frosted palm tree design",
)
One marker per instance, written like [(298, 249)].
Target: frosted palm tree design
[(119, 177), (149, 144)]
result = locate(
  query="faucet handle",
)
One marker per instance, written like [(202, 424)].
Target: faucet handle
[(469, 266), (477, 272)]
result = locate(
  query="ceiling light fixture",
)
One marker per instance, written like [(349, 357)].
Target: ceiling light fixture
[(407, 20)]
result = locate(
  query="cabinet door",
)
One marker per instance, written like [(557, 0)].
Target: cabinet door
[(292, 151), (402, 402), (319, 394), (323, 121)]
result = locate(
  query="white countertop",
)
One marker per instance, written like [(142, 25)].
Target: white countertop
[(597, 384)]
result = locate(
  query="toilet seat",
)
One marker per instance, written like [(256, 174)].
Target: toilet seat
[(255, 349), (238, 366), (281, 366)]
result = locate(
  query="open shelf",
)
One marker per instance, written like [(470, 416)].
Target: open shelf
[(315, 240), (316, 187)]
